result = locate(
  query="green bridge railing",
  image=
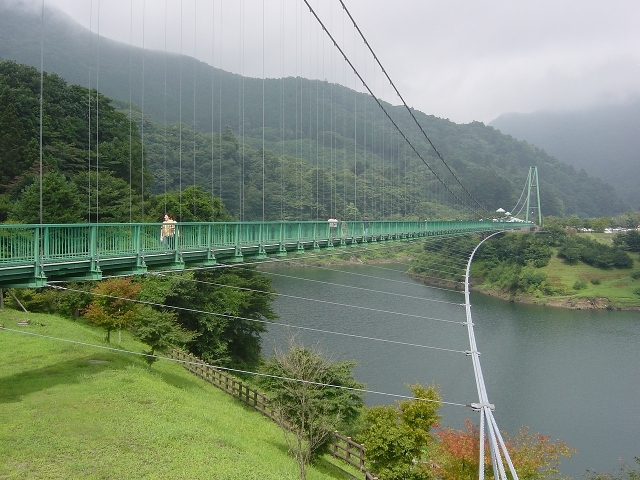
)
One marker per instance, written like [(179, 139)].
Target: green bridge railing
[(31, 255)]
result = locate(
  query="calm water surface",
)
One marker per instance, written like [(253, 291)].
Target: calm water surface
[(572, 375)]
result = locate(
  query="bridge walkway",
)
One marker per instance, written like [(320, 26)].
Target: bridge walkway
[(32, 255)]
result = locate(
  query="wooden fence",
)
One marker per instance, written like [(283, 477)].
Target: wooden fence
[(341, 447)]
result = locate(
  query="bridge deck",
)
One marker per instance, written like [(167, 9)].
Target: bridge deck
[(31, 255)]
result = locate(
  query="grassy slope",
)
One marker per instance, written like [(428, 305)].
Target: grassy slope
[(73, 411), (615, 285)]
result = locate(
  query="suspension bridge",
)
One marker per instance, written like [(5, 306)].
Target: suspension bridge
[(32, 255), (36, 255)]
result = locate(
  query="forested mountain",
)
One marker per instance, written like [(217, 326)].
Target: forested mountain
[(320, 139), (604, 141), (71, 140)]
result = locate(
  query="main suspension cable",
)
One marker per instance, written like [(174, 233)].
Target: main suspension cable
[(395, 124), (406, 106)]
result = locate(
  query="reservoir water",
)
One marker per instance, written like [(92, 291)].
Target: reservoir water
[(573, 375)]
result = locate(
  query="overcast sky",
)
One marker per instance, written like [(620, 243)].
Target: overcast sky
[(458, 59)]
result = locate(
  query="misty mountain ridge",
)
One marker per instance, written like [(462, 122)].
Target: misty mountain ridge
[(303, 118), (602, 140)]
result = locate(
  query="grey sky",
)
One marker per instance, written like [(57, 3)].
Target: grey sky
[(458, 59)]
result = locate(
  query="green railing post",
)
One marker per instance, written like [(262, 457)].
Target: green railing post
[(316, 245), (138, 242), (211, 258), (94, 250), (282, 249), (237, 256), (299, 245), (38, 252), (262, 253)]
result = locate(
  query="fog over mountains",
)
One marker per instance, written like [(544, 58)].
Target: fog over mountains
[(604, 141)]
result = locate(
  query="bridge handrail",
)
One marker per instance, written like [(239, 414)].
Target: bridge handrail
[(33, 251)]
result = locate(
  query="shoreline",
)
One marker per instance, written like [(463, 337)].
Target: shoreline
[(569, 303)]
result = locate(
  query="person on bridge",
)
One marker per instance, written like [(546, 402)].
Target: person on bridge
[(365, 225), (344, 227), (168, 232), (333, 224)]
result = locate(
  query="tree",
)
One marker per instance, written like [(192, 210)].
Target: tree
[(396, 435), (227, 307), (192, 205), (312, 397), (160, 331), (571, 250), (14, 136), (61, 202), (111, 307), (456, 455), (111, 199), (628, 241)]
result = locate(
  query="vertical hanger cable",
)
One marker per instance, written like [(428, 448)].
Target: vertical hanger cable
[(130, 110), (142, 121), (89, 99), (41, 106), (263, 125), (98, 119), (282, 110), (242, 119), (220, 107), (195, 63), (213, 36), (165, 109)]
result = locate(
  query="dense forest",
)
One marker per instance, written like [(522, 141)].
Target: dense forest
[(323, 146)]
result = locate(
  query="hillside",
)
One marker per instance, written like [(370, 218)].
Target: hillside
[(307, 119), (603, 141), (72, 410)]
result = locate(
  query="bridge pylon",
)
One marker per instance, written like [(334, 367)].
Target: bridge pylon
[(533, 204)]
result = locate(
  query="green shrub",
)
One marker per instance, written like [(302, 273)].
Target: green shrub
[(593, 253), (580, 284)]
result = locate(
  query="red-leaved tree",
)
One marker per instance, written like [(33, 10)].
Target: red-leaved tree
[(456, 455), (111, 307)]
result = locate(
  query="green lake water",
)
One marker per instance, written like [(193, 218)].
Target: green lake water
[(571, 374)]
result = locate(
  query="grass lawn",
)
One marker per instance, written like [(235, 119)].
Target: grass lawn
[(615, 284), (69, 410)]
